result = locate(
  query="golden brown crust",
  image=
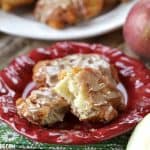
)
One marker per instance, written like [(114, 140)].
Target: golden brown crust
[(8, 5), (42, 107), (61, 18), (92, 8), (39, 76), (109, 4)]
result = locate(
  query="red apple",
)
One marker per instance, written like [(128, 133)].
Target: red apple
[(137, 28)]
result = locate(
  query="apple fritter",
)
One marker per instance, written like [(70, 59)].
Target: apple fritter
[(59, 13), (91, 94), (42, 107)]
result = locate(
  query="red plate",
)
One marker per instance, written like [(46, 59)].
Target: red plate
[(134, 76)]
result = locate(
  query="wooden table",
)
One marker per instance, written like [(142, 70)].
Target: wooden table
[(11, 46)]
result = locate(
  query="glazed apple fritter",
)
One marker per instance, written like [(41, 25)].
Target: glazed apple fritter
[(42, 107), (91, 94), (83, 83), (58, 13)]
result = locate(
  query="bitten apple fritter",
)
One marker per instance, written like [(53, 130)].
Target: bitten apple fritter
[(92, 95)]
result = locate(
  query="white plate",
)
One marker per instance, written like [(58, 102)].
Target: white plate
[(26, 26)]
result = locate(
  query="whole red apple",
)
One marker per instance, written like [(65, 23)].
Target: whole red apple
[(137, 28)]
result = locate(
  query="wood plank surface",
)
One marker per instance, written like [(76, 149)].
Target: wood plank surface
[(11, 46)]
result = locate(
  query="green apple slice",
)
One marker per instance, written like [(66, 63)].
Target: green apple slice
[(140, 139)]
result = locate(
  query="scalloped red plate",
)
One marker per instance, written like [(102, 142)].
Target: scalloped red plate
[(133, 74)]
